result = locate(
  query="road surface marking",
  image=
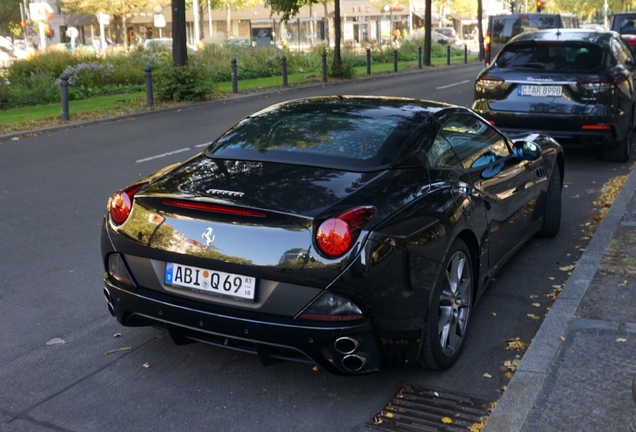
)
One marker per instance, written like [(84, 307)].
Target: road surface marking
[(162, 155), (452, 85)]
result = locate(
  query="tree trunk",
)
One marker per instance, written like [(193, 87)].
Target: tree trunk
[(324, 3), (228, 24), (337, 59), (480, 15), (428, 28), (179, 48)]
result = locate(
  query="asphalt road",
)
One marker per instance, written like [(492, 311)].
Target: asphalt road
[(55, 374)]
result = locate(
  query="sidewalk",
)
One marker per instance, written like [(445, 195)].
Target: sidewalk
[(577, 372)]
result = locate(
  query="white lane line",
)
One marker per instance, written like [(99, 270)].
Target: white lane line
[(162, 155), (452, 85), (204, 144)]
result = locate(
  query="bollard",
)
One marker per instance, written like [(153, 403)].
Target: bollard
[(395, 56), (465, 53), (447, 55), (64, 95), (324, 67), (150, 101), (368, 61), (419, 57), (283, 62), (234, 77)]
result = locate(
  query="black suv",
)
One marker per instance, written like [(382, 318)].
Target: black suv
[(576, 85), (501, 28)]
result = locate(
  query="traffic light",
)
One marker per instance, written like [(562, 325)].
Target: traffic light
[(539, 5), (23, 25), (513, 6), (50, 34)]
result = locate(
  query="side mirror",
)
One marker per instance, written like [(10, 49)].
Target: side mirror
[(526, 150)]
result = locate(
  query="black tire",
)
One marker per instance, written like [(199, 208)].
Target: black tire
[(449, 310), (622, 151), (552, 214)]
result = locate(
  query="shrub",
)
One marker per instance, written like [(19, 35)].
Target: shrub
[(89, 75), (192, 82)]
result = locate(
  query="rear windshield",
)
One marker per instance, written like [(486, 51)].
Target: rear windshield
[(551, 56), (503, 28), (354, 137), (627, 25)]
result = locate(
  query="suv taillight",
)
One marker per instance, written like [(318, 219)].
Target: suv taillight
[(488, 83)]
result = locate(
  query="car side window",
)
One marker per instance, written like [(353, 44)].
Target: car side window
[(442, 155), (475, 141)]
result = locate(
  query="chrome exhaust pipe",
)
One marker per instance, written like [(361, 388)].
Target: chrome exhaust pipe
[(354, 362), (347, 344), (109, 301)]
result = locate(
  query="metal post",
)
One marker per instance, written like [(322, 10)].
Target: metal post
[(447, 55), (419, 57), (395, 57), (150, 101), (368, 61), (234, 77), (324, 67), (64, 95), (465, 53), (284, 65)]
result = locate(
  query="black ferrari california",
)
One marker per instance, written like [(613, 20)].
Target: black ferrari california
[(356, 233)]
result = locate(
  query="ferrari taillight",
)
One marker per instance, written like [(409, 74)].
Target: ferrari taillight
[(336, 235), (121, 203)]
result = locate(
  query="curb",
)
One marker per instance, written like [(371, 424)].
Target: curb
[(381, 75), (513, 408)]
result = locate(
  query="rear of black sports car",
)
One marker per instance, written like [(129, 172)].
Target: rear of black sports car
[(278, 257)]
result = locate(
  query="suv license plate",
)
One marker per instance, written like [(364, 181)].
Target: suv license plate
[(532, 90), (210, 281)]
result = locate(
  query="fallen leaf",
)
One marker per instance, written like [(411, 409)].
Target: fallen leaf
[(447, 420), (533, 316), (621, 340), (118, 350), (117, 335), (487, 375), (562, 338), (536, 304), (623, 284), (146, 365), (388, 415), (316, 368), (493, 313), (551, 278), (534, 296), (567, 268)]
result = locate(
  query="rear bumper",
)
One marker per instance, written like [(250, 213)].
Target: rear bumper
[(280, 338), (588, 138)]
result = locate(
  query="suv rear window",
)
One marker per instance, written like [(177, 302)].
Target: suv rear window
[(551, 56)]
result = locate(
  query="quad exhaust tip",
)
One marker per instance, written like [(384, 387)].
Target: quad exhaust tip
[(109, 301), (346, 345), (354, 362)]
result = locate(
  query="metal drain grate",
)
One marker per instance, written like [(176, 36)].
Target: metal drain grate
[(423, 409)]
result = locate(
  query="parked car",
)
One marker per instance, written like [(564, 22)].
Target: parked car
[(449, 32), (356, 233), (576, 85), (625, 24), (501, 28)]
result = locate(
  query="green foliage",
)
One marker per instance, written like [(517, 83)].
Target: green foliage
[(347, 69), (192, 82)]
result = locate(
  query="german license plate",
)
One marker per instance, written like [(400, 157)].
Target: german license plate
[(210, 281), (535, 90)]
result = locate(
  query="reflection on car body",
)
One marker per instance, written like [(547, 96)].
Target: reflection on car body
[(362, 232)]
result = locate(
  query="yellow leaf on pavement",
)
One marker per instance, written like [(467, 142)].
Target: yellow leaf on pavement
[(447, 420)]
